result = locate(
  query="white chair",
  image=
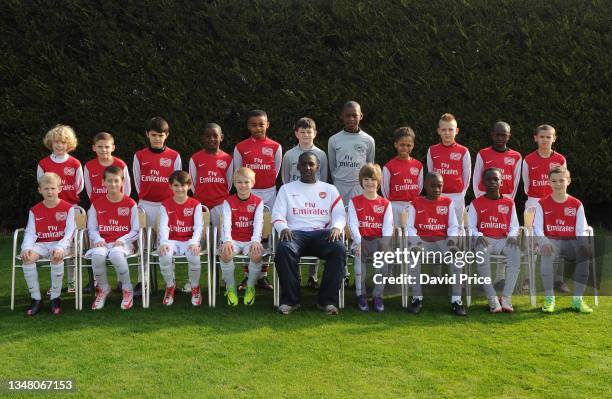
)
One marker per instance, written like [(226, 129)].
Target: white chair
[(70, 261), (241, 260), (153, 256), (136, 259)]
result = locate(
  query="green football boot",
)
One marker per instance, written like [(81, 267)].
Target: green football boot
[(549, 304)]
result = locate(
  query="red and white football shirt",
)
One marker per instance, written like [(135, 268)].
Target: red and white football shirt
[(48, 225), (110, 221), (262, 156), (535, 173), (69, 171), (180, 220), (151, 171), (432, 219), (402, 179), (242, 219), (453, 162), (94, 176), (212, 177), (508, 161), (493, 218), (564, 220), (370, 217)]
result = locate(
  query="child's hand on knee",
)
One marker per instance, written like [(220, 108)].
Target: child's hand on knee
[(57, 255), (227, 250), (100, 244), (26, 256), (164, 249), (194, 249), (546, 250), (256, 250)]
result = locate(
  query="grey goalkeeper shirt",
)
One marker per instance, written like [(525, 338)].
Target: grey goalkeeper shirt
[(289, 171), (347, 153)]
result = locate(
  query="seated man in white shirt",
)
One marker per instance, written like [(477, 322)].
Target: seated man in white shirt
[(309, 216)]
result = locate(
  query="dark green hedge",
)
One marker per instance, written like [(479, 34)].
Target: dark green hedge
[(112, 65)]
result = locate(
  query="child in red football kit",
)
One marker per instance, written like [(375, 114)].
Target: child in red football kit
[(61, 140), (492, 220), (432, 226), (560, 229), (264, 157), (49, 234), (112, 224), (403, 175), (370, 219), (180, 232), (211, 171), (498, 156), (151, 168), (452, 161)]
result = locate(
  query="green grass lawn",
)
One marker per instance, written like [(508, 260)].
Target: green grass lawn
[(254, 352)]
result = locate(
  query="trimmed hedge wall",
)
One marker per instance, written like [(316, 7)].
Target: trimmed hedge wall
[(112, 65)]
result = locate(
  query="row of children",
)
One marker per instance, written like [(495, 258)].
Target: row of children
[(113, 227), (211, 169)]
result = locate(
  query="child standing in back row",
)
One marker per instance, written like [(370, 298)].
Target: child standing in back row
[(453, 162), (264, 157), (211, 171), (498, 156), (103, 146), (348, 151), (151, 167), (403, 175)]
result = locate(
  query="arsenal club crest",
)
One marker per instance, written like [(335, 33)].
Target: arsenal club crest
[(251, 208), (322, 195), (509, 161), (61, 216), (442, 210), (503, 209), (267, 151), (414, 171), (123, 211), (221, 164), (188, 211), (455, 156), (165, 162), (68, 171), (569, 211), (378, 209)]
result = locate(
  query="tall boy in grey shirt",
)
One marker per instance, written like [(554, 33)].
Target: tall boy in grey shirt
[(348, 150)]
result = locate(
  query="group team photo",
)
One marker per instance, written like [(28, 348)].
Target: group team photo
[(286, 198)]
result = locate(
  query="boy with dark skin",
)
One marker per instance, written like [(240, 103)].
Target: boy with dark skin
[(432, 226), (492, 219)]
